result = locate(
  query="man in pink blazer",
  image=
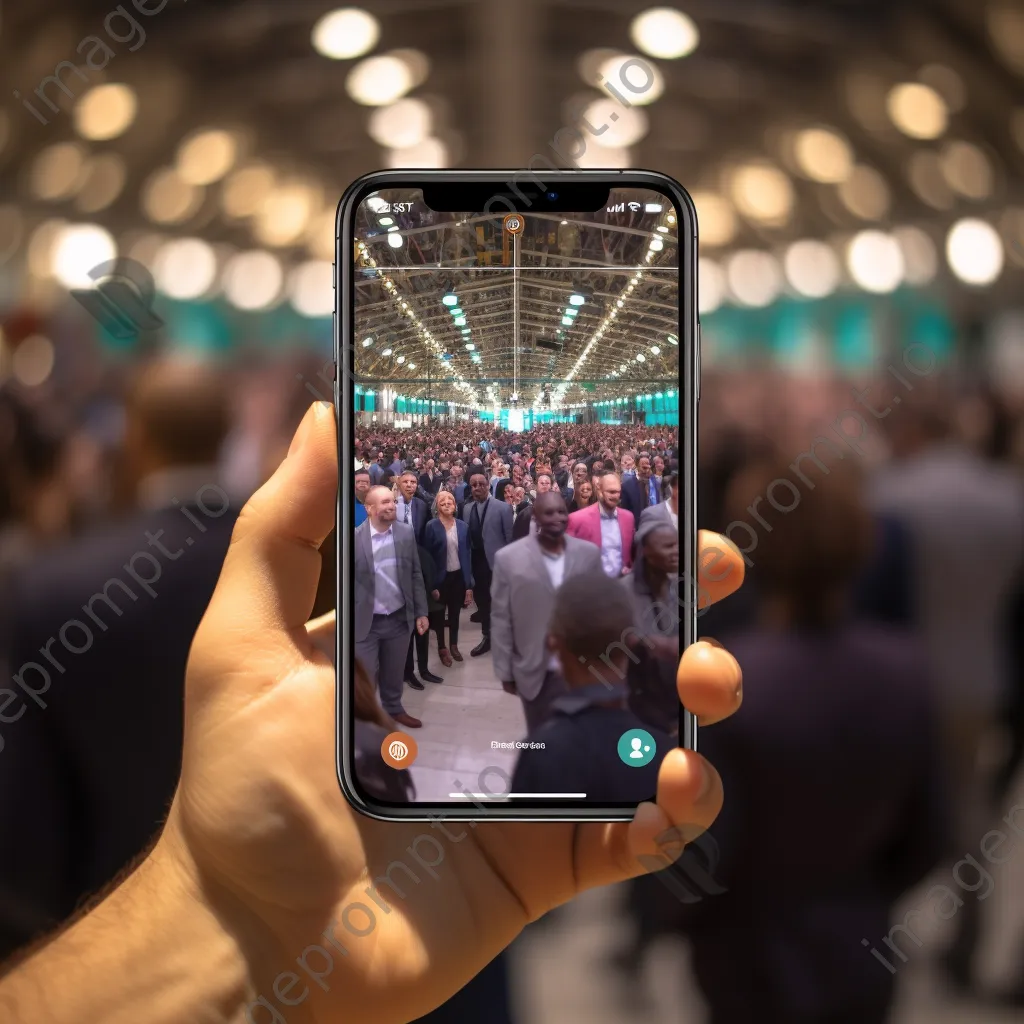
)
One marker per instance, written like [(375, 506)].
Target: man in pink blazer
[(608, 526)]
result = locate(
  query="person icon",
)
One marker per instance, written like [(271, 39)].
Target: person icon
[(637, 748)]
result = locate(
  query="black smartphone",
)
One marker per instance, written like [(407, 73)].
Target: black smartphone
[(517, 388)]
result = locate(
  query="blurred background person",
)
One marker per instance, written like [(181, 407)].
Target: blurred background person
[(606, 525), (490, 529), (582, 496), (867, 761), (362, 486), (89, 773)]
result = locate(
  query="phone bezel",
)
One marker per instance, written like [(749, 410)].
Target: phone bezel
[(506, 183)]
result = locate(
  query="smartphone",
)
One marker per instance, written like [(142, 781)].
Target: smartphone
[(517, 385)]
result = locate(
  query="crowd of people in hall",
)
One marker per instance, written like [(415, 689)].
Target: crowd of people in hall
[(449, 519)]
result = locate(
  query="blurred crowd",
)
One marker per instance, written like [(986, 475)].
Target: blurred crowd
[(880, 634)]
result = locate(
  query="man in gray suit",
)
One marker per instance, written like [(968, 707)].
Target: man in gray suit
[(665, 511), (490, 529), (390, 599), (527, 574)]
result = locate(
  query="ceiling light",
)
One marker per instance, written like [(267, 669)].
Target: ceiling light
[(812, 268), (456, 311), (386, 222), (57, 171), (655, 350), (412, 366), (641, 358), (378, 81), (346, 33), (185, 268), (311, 288), (754, 277), (367, 342), (919, 255), (637, 80), (395, 239), (402, 124), (974, 251), (451, 299), (386, 352), (79, 248), (246, 188), (876, 262), (459, 321), (567, 321), (604, 157), (105, 111), (572, 311), (966, 169), (672, 339), (167, 199), (823, 155), (465, 331), (664, 32), (103, 179), (430, 152), (865, 193), (252, 280), (400, 360), (576, 299), (656, 244), (917, 110), (206, 156), (470, 346), (619, 125), (762, 193)]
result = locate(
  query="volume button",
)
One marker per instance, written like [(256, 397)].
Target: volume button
[(697, 385)]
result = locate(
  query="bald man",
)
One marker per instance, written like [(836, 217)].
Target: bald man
[(390, 599)]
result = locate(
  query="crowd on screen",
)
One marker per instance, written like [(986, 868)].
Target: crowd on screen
[(499, 521)]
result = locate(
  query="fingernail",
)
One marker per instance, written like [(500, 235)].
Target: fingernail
[(305, 428), (705, 778), (710, 640)]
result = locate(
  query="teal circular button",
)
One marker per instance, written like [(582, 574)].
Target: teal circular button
[(637, 748)]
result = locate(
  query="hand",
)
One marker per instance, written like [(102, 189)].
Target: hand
[(422, 624), (267, 847), (469, 599), (436, 595)]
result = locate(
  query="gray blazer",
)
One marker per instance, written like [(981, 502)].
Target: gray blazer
[(410, 577), (655, 514), (522, 600), (497, 525)]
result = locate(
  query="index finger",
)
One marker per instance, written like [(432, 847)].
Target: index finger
[(720, 568)]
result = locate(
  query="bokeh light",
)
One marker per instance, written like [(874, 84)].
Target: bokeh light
[(920, 257), (754, 277), (311, 289), (78, 249), (762, 193), (378, 81), (103, 180), (917, 110), (664, 32), (716, 218), (57, 171), (974, 251), (32, 361), (710, 285), (812, 268), (206, 156), (252, 280), (822, 154), (875, 262), (637, 80), (167, 199), (865, 193), (105, 111), (185, 268), (400, 125), (346, 33), (428, 153)]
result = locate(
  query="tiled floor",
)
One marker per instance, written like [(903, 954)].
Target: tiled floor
[(461, 717)]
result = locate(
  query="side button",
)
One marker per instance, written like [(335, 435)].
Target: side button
[(334, 276), (697, 387)]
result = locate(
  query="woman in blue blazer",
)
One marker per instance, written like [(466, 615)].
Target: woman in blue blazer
[(447, 540)]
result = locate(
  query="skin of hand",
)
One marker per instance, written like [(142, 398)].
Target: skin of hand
[(469, 599), (422, 625), (261, 853)]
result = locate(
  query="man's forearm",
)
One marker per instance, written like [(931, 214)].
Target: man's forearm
[(149, 952)]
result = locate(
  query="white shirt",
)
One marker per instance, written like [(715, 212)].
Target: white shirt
[(452, 533), (404, 511), (555, 565), (674, 516), (387, 597), (611, 543)]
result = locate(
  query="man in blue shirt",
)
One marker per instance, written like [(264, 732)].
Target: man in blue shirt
[(362, 486)]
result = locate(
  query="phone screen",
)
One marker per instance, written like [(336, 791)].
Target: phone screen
[(518, 468)]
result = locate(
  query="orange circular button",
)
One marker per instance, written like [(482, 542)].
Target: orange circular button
[(398, 750), (513, 223)]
